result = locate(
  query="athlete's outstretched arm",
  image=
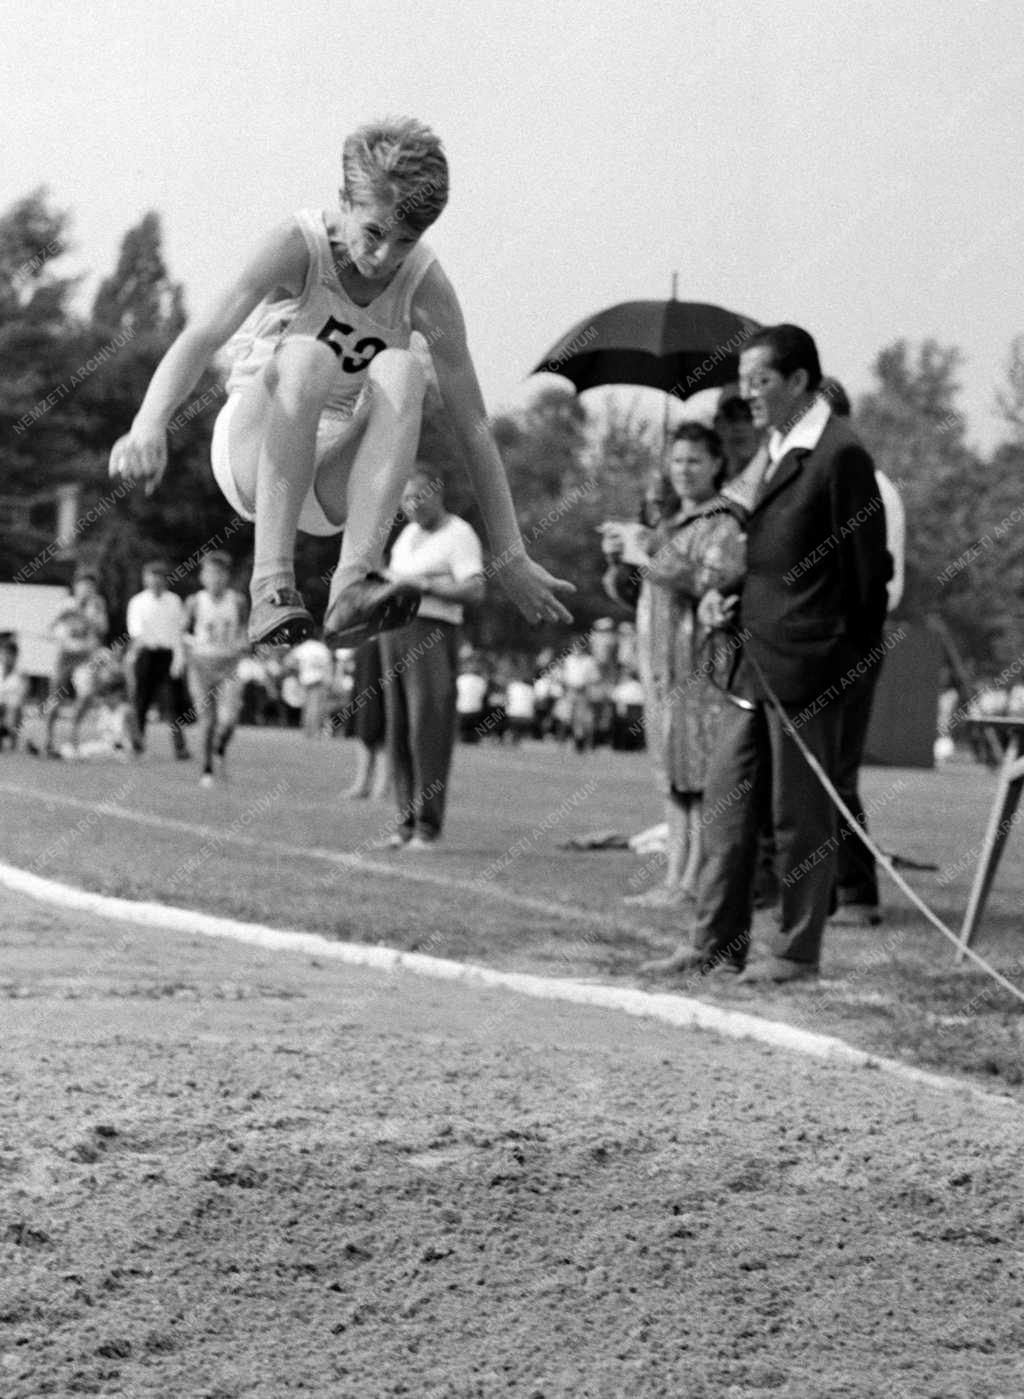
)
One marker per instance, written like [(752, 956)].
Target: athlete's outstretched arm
[(278, 265), (438, 316)]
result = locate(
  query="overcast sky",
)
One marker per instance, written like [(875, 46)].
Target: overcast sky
[(854, 167)]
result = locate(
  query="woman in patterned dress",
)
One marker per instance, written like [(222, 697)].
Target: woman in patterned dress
[(696, 547)]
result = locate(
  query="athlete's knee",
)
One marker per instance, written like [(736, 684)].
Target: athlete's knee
[(300, 372), (399, 373)]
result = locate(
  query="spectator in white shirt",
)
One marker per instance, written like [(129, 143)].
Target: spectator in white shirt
[(156, 627), (313, 663), (471, 687), (521, 708), (441, 555)]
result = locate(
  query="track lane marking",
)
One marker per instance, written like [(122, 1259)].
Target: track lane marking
[(355, 861)]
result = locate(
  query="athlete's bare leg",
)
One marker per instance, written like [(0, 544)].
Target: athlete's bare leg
[(383, 464), (273, 452), (272, 449)]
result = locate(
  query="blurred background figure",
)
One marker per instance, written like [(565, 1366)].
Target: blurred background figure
[(735, 427), (79, 629), (13, 693), (156, 627), (546, 689), (495, 723), (113, 736), (949, 699), (520, 706), (856, 888), (628, 702), (581, 677), (215, 641), (364, 718), (604, 647), (312, 664), (261, 696), (471, 687), (625, 653)]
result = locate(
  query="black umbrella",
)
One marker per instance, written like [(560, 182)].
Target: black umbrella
[(678, 346)]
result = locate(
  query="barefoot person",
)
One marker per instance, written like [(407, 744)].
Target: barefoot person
[(322, 420)]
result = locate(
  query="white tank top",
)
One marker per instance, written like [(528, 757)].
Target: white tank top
[(324, 311), (217, 626)]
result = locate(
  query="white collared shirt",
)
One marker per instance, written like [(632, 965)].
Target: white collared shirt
[(156, 622), (805, 433)]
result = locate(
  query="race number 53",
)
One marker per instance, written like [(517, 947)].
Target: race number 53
[(335, 334)]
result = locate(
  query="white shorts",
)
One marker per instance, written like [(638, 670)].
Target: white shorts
[(332, 430)]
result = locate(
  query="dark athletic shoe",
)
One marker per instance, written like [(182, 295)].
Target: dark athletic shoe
[(280, 619), (371, 605)]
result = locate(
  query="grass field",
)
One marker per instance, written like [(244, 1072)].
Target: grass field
[(277, 844)]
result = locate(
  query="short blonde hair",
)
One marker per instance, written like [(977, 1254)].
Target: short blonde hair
[(397, 158)]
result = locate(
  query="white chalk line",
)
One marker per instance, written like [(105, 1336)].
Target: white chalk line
[(677, 1010), (354, 861)]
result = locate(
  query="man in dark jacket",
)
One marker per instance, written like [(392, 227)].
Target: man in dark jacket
[(810, 612)]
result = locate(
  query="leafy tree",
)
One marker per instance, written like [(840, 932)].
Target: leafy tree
[(917, 435), (137, 313), (140, 294), (1010, 400), (41, 417), (567, 473)]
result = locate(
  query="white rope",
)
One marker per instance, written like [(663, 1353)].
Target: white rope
[(882, 858)]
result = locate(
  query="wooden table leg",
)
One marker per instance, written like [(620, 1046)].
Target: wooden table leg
[(1007, 799)]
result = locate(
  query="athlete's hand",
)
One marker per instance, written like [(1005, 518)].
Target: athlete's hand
[(532, 589), (140, 455)]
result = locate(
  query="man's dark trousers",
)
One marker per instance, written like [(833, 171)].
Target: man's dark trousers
[(152, 677), (420, 664), (758, 768)]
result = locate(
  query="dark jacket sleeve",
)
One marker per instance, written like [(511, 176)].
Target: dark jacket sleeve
[(622, 584)]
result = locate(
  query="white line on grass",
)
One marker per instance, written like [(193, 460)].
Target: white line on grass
[(350, 860), (669, 1009)]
